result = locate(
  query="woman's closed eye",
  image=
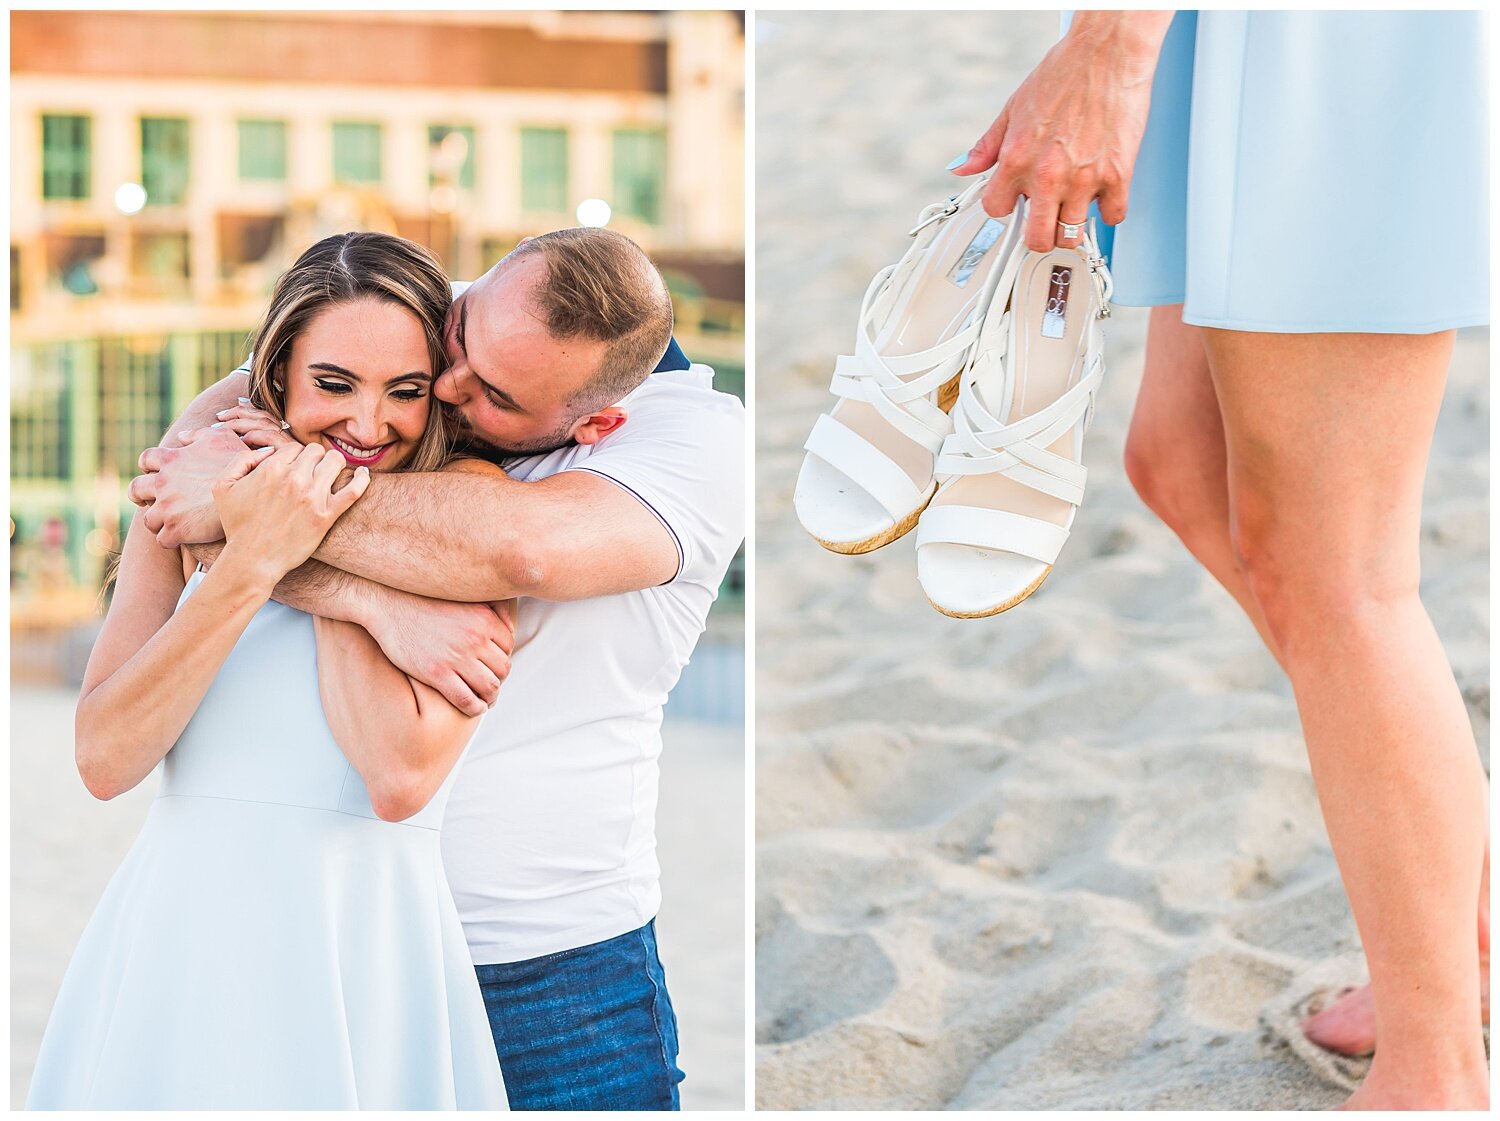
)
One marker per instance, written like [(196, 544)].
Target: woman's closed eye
[(340, 389)]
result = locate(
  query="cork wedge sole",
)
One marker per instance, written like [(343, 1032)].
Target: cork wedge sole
[(879, 541), (1006, 606)]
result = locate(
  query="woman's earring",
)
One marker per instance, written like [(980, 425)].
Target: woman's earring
[(277, 386)]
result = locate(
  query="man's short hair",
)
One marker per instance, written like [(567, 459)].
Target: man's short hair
[(601, 286)]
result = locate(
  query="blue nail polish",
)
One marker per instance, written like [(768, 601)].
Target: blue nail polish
[(957, 161), (242, 401), (220, 424)]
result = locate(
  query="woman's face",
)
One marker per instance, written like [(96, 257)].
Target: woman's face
[(358, 381)]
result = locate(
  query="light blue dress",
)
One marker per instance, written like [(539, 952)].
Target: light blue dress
[(269, 943), (1313, 171)]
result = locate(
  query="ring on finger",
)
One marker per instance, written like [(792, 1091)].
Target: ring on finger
[(1072, 229)]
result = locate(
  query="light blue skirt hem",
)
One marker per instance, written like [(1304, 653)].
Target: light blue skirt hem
[(1383, 327), (1379, 327)]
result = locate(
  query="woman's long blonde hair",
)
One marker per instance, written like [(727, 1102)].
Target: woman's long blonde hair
[(338, 269)]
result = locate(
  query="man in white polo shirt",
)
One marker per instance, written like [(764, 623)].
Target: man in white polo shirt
[(619, 508)]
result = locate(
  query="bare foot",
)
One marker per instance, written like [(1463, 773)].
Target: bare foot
[(1347, 1026)]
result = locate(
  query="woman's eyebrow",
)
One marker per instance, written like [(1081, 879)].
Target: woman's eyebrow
[(332, 369), (415, 375)]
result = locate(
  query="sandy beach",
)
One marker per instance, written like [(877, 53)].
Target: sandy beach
[(65, 845), (1070, 857)]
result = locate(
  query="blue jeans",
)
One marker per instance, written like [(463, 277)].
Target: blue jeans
[(589, 1028)]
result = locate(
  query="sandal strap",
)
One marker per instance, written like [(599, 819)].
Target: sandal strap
[(977, 431), (917, 419), (901, 365), (980, 445), (881, 477), (982, 528), (887, 381)]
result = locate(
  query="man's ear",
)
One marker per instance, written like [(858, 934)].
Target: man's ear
[(593, 428)]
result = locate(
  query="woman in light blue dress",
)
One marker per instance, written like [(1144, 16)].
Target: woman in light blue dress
[(281, 934), (1308, 210)]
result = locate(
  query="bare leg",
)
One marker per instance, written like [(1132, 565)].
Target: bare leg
[(1175, 453), (1327, 439), (1176, 459), (1347, 1025)]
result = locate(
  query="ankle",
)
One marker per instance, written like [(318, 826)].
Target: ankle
[(1452, 1080)]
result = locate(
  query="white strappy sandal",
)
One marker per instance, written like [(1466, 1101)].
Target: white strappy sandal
[(1011, 473), (869, 470)]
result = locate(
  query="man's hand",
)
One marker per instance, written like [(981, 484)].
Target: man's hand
[(460, 649), (176, 488)]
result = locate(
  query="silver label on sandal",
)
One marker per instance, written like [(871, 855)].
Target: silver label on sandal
[(1055, 318), (983, 242)]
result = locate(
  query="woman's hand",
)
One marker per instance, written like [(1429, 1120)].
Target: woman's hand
[(258, 428), (1072, 130), (278, 503)]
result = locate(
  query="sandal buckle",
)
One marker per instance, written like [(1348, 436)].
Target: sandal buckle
[(1097, 269), (948, 211)]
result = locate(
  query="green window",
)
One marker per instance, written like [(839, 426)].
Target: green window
[(40, 428), (544, 170), (640, 173), (133, 398), (263, 150), (436, 134), (164, 160), (356, 152), (65, 157)]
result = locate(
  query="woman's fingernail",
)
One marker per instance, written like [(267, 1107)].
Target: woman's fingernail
[(222, 413), (219, 424), (242, 401), (957, 161)]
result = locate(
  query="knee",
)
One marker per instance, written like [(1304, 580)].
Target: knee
[(1312, 591), (1171, 489)]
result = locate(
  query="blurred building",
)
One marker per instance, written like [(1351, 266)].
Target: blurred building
[(166, 167)]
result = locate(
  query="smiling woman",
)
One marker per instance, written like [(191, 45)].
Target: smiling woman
[(371, 406), (375, 410), (266, 851)]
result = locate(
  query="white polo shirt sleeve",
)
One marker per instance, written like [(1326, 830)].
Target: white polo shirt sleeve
[(682, 454)]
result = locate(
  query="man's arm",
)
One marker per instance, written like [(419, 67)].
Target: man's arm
[(460, 649), (471, 533), (467, 533)]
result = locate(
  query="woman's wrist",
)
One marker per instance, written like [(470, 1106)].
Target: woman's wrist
[(239, 572), (1130, 40)]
